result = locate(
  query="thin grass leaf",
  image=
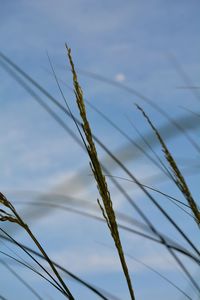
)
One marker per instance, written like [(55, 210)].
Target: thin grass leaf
[(170, 243), (24, 282), (99, 292), (28, 266), (172, 199)]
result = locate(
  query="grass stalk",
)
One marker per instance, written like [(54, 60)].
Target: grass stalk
[(107, 207), (179, 178), (15, 218)]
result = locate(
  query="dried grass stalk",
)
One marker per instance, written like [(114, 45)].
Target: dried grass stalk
[(15, 218), (178, 177), (106, 206)]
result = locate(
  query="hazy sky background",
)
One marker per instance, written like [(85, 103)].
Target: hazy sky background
[(134, 43)]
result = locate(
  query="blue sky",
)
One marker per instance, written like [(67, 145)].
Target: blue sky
[(136, 44)]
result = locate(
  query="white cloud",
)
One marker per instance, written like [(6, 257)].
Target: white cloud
[(88, 262), (103, 260)]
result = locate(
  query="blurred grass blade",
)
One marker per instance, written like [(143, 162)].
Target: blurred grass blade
[(3, 298), (170, 243)]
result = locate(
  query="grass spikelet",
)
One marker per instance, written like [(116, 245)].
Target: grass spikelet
[(179, 178), (107, 207), (15, 218)]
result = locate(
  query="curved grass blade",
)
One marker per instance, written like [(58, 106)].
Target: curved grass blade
[(171, 244), (172, 199), (24, 282), (27, 265), (59, 287), (101, 294)]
